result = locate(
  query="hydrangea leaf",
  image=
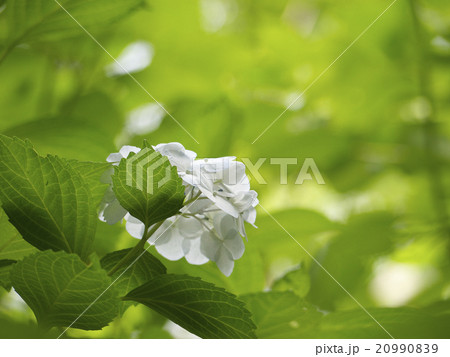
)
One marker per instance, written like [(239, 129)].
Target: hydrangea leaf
[(200, 307), (95, 175), (46, 199), (59, 287), (148, 187), (5, 269), (127, 279), (29, 21), (12, 246)]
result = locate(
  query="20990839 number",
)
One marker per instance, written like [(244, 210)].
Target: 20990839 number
[(407, 348)]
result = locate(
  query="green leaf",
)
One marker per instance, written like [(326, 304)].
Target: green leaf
[(129, 278), (95, 174), (5, 269), (296, 280), (12, 246), (60, 289), (41, 20), (200, 307), (46, 200), (282, 315), (148, 187)]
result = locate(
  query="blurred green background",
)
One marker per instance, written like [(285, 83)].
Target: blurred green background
[(376, 124)]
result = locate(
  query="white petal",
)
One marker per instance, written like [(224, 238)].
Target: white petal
[(113, 212), (189, 179), (209, 245), (194, 255), (135, 229), (225, 262), (215, 165), (244, 200), (204, 181), (243, 184), (114, 157), (241, 226), (191, 154), (233, 242), (164, 232), (189, 227), (186, 246), (199, 206), (234, 174), (109, 196), (106, 177), (132, 219), (249, 215), (226, 206), (177, 155), (224, 223), (170, 244), (127, 149)]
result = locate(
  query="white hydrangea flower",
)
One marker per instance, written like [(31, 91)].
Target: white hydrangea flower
[(224, 182), (223, 244), (178, 237), (211, 225)]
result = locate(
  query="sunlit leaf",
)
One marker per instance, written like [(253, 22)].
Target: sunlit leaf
[(148, 187), (95, 175), (46, 200)]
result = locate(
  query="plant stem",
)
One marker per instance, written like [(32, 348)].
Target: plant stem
[(437, 189), (137, 249), (193, 199)]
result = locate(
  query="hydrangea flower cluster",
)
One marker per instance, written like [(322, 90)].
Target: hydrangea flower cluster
[(210, 226)]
